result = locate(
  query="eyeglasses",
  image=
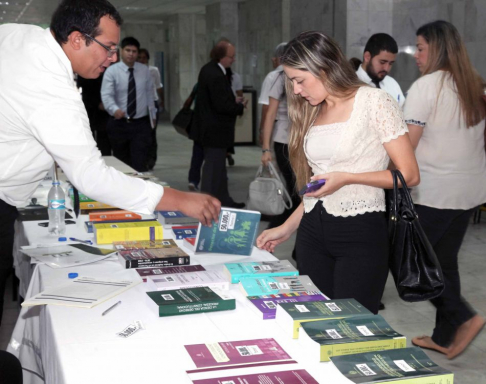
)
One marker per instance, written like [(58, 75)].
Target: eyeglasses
[(111, 51)]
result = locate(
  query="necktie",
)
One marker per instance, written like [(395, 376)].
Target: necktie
[(132, 96), (377, 83)]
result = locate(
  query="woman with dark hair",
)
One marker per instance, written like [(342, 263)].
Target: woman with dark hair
[(344, 132), (445, 114)]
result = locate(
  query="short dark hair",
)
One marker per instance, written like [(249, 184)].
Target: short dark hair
[(381, 42), (143, 50), (82, 16), (220, 49), (130, 41)]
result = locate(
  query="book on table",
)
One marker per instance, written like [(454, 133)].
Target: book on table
[(263, 376), (86, 207), (144, 244), (326, 338), (234, 233), (187, 301), (212, 279), (189, 243), (237, 271), (265, 306), (290, 315), (169, 218), (88, 225), (107, 233), (120, 215), (146, 272), (182, 231), (400, 366), (167, 256), (270, 285)]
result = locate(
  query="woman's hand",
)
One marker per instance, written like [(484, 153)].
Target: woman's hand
[(270, 238), (266, 158), (334, 181)]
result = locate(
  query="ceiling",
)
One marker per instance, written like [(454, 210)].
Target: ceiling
[(132, 11)]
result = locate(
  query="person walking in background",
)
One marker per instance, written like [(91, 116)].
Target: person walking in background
[(379, 56), (128, 96), (237, 87), (276, 130), (214, 121), (445, 114), (143, 58), (344, 132)]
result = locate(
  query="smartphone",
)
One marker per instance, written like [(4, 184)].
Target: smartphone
[(46, 224), (312, 186)]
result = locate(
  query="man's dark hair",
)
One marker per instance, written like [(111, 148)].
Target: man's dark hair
[(143, 50), (130, 41), (219, 50), (82, 16), (381, 42)]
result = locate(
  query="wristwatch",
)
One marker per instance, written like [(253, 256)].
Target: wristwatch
[(266, 150)]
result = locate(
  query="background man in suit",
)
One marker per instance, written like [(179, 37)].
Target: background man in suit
[(215, 117)]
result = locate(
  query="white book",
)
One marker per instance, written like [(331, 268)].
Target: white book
[(212, 279)]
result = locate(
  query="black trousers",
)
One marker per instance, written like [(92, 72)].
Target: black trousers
[(8, 214), (131, 141), (214, 176), (346, 257), (445, 229), (283, 160), (197, 160)]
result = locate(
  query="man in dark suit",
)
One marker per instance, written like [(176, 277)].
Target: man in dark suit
[(215, 116)]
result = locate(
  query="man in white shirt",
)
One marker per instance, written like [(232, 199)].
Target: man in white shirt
[(378, 58), (43, 119)]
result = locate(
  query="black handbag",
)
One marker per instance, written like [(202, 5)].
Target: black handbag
[(182, 121), (413, 262)]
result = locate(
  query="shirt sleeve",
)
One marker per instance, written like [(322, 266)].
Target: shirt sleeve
[(263, 99), (108, 92), (386, 116), (156, 78), (277, 87), (418, 105)]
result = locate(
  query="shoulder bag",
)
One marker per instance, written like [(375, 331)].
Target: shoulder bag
[(413, 262)]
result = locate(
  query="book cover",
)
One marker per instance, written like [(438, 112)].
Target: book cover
[(237, 271), (326, 338), (189, 300), (88, 225), (171, 255), (181, 232), (144, 244), (114, 215), (290, 315), (213, 279), (248, 353), (266, 306), (107, 233), (270, 285), (403, 366), (189, 243), (89, 206), (146, 272), (168, 218), (235, 233), (300, 376)]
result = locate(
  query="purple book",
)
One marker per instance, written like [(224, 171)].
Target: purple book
[(144, 272), (267, 305), (237, 354), (299, 376)]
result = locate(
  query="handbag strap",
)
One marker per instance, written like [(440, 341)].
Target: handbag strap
[(404, 192), (286, 200)]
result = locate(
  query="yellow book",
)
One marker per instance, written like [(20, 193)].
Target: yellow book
[(107, 233), (89, 206)]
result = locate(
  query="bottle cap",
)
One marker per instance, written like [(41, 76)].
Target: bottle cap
[(72, 275), (62, 239)]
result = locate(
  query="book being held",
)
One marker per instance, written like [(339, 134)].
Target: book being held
[(237, 271)]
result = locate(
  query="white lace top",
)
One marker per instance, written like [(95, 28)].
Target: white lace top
[(375, 119)]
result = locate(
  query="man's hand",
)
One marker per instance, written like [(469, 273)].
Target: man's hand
[(119, 114)]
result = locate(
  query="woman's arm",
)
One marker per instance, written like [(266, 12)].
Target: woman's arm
[(415, 133), (267, 128)]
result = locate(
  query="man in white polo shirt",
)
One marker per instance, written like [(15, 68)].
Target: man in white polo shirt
[(378, 58)]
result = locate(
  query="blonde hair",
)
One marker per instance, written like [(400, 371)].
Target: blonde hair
[(320, 55), (448, 53)]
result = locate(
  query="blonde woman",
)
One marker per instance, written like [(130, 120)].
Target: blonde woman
[(445, 115), (346, 133)]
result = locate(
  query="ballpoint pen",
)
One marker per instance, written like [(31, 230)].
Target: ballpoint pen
[(81, 241), (109, 309)]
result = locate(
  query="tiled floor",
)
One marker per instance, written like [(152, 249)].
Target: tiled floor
[(409, 319)]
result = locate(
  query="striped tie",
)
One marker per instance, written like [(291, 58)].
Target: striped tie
[(132, 96)]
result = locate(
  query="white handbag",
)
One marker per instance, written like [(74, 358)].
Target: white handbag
[(268, 195)]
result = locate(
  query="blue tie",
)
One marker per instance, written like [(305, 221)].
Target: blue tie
[(132, 96)]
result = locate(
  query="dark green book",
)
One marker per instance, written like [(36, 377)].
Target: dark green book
[(403, 366), (189, 300), (290, 315), (326, 338)]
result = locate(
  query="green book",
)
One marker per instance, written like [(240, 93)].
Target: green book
[(290, 315), (189, 300), (401, 366), (326, 338), (234, 233)]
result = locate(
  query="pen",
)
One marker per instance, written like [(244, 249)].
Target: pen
[(81, 241), (109, 309)]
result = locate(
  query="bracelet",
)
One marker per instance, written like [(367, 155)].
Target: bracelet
[(266, 150)]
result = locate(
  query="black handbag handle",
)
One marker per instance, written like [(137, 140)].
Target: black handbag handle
[(406, 202)]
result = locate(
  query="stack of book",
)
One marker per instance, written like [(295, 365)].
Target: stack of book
[(108, 233)]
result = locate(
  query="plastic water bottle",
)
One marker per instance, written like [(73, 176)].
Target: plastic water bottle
[(57, 209)]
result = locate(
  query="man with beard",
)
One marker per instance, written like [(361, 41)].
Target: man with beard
[(379, 56)]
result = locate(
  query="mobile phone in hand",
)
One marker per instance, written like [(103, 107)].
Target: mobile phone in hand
[(312, 186)]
